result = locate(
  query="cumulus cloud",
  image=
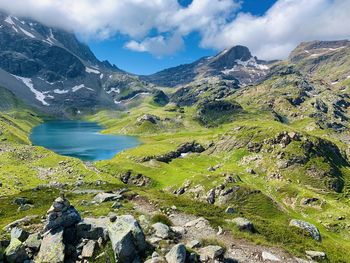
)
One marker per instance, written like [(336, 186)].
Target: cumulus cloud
[(219, 22), (285, 25)]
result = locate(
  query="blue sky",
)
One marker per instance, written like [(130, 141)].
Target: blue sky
[(114, 50)]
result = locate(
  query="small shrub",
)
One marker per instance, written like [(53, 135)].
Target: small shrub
[(161, 219)]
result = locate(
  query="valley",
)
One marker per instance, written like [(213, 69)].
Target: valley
[(246, 155)]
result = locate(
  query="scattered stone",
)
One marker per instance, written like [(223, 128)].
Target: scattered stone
[(19, 233), (194, 244), (310, 228), (308, 201), (211, 253), (33, 242), (211, 196), (23, 221), (250, 171), (21, 201), (178, 230), (116, 205), (24, 207), (198, 223), (177, 254), (161, 230), (52, 247), (316, 255), (15, 252), (230, 210), (61, 215), (244, 224), (106, 197), (89, 249), (127, 238), (220, 231), (267, 256)]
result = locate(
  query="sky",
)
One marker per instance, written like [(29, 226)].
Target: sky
[(145, 36)]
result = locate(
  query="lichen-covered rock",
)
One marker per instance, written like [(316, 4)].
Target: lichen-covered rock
[(15, 252), (92, 228), (19, 234), (177, 254), (33, 242), (161, 230), (310, 228), (211, 253), (127, 238), (105, 197), (52, 247)]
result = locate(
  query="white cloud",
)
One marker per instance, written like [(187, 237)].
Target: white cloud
[(158, 46), (270, 36), (284, 26)]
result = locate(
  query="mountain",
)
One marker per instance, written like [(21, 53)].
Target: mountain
[(236, 64), (50, 69)]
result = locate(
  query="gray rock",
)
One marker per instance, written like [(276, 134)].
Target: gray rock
[(19, 234), (21, 201), (24, 220), (177, 254), (127, 238), (161, 230), (24, 207), (116, 205), (15, 252), (211, 196), (52, 247), (106, 197), (93, 228), (310, 228), (61, 214), (230, 210), (316, 255), (33, 241), (89, 249), (267, 256), (211, 253), (243, 224), (194, 244)]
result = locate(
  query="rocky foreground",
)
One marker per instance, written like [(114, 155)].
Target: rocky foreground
[(64, 236)]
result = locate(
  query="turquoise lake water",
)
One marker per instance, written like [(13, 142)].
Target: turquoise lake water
[(80, 139)]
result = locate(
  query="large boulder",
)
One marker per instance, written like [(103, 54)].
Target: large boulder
[(33, 242), (310, 228), (127, 238), (61, 215), (15, 252), (177, 254), (52, 247), (19, 233), (92, 228)]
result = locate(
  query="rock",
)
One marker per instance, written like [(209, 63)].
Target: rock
[(310, 228), (194, 244), (61, 215), (15, 252), (127, 238), (211, 253), (267, 256), (308, 201), (244, 224), (161, 230), (19, 233), (33, 242), (211, 196), (89, 249), (105, 197), (177, 254), (148, 117), (116, 205), (230, 210), (198, 223), (178, 230), (52, 247), (24, 207), (316, 255), (21, 201), (92, 228), (23, 221), (138, 179)]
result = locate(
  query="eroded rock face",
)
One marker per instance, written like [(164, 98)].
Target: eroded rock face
[(127, 238), (310, 228)]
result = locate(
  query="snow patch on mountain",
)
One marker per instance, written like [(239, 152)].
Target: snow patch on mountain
[(81, 86), (91, 70), (10, 21), (59, 91), (27, 33), (40, 96), (116, 90)]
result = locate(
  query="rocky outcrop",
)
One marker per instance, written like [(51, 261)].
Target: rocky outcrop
[(135, 179), (52, 247), (310, 228), (188, 147), (127, 238), (15, 252)]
